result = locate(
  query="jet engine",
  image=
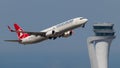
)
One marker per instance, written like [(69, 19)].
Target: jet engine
[(49, 33), (67, 34)]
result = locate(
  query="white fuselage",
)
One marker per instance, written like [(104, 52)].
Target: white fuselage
[(61, 28)]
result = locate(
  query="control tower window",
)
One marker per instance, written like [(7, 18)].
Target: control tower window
[(104, 34), (103, 27)]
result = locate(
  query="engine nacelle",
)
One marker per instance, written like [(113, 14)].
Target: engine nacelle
[(49, 33), (67, 34)]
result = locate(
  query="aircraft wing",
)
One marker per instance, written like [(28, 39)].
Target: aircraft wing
[(31, 33), (35, 33)]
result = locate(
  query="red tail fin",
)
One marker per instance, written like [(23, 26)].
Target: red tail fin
[(20, 34)]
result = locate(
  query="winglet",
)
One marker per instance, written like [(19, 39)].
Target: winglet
[(10, 29)]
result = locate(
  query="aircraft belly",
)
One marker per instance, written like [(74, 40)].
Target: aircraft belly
[(33, 40), (39, 39)]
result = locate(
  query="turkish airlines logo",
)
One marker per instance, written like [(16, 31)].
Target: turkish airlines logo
[(20, 33)]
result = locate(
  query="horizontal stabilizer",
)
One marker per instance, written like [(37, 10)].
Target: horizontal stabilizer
[(12, 40), (11, 29)]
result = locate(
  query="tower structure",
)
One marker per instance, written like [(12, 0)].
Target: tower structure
[(99, 44)]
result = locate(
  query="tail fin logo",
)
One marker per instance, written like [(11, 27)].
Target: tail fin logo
[(20, 32)]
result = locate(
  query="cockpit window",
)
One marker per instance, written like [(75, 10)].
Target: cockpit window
[(81, 18)]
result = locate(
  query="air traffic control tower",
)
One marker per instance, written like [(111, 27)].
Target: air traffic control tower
[(99, 44)]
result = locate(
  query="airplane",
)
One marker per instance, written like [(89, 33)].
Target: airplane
[(64, 30)]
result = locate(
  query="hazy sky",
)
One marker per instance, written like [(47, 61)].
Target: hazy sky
[(35, 15)]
